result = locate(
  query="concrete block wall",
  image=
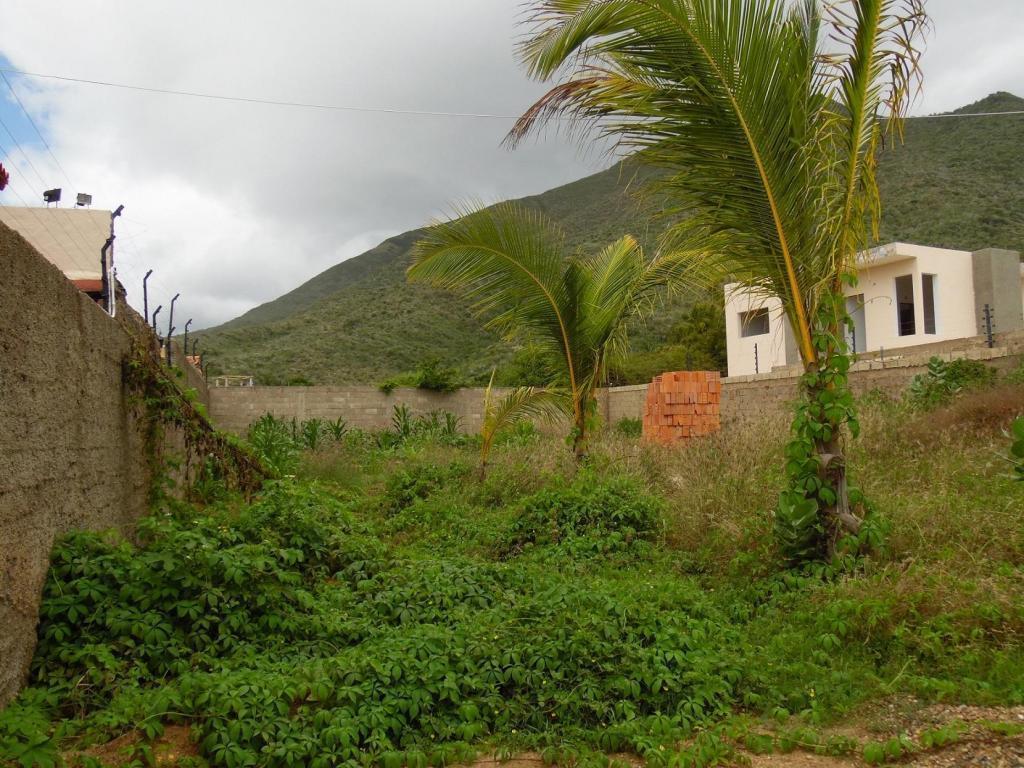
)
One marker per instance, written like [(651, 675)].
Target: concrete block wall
[(72, 454), (233, 409), (618, 403), (750, 397), (742, 397)]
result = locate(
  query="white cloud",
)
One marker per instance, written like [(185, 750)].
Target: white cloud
[(234, 204)]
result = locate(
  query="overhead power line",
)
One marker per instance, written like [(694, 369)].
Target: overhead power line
[(354, 108), (270, 102), (35, 127), (81, 236)]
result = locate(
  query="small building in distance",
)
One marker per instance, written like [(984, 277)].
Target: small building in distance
[(69, 238), (906, 295)]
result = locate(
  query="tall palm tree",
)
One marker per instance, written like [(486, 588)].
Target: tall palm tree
[(768, 115), (515, 265)]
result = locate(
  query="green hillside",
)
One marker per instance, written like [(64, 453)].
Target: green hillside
[(955, 183)]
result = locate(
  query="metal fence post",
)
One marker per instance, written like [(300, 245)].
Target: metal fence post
[(170, 342), (987, 317), (145, 297)]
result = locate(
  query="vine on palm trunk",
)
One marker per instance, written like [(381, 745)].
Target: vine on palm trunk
[(818, 508)]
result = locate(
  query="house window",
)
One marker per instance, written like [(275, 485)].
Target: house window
[(928, 299), (754, 323), (907, 325)]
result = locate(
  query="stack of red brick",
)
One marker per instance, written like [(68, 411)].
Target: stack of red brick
[(681, 405)]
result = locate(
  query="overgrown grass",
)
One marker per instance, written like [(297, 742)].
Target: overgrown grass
[(387, 607)]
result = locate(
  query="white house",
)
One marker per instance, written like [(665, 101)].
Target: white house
[(906, 295)]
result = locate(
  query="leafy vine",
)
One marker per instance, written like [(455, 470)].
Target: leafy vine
[(819, 510), (164, 403)]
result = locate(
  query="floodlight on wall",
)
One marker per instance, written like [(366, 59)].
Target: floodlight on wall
[(83, 200), (51, 196)]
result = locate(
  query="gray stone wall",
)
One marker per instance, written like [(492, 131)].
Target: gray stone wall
[(233, 409), (750, 397), (71, 453)]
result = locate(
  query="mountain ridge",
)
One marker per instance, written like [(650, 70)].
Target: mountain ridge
[(359, 321)]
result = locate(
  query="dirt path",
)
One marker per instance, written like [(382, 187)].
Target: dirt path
[(987, 737)]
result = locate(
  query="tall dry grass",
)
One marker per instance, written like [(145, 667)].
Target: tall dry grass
[(940, 478)]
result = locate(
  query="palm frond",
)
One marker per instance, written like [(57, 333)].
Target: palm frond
[(769, 142), (706, 91), (521, 404), (510, 261), (875, 68)]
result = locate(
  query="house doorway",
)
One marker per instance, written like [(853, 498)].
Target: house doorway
[(856, 332)]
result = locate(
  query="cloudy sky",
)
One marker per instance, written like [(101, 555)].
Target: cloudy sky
[(233, 204)]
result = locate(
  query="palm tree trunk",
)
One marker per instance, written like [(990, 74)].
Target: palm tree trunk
[(580, 437), (833, 498), (837, 516)]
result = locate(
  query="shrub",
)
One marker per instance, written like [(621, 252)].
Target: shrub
[(519, 434), (431, 374), (987, 409), (531, 366), (1016, 376), (200, 587), (619, 507), (436, 377), (943, 381), (419, 482)]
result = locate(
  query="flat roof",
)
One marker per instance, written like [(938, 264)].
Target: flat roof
[(893, 252), (69, 238)]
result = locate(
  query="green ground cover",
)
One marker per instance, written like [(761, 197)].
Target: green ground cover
[(384, 606)]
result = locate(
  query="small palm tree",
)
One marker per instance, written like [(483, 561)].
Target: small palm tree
[(768, 115), (521, 404), (514, 264)]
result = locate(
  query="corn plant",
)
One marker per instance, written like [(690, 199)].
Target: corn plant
[(312, 433), (337, 429), (274, 441)]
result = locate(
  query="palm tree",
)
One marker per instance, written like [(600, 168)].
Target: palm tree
[(768, 115), (521, 404), (514, 264)]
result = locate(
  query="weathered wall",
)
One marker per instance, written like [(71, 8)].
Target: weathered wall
[(997, 276), (234, 408), (748, 397), (71, 453)]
